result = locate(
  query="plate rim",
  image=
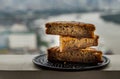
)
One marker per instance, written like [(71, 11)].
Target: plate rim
[(104, 64)]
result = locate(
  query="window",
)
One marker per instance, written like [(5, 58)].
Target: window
[(22, 23)]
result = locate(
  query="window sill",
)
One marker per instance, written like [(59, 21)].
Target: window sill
[(14, 66), (24, 63)]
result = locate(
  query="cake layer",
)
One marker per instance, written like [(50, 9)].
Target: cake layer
[(70, 28), (88, 55), (70, 43)]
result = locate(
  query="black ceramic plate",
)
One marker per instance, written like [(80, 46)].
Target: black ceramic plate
[(42, 62)]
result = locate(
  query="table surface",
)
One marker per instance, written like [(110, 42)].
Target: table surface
[(24, 63)]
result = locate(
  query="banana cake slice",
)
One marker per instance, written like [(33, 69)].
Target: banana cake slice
[(70, 28), (70, 43), (88, 55)]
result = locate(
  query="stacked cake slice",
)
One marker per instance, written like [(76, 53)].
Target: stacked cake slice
[(76, 38)]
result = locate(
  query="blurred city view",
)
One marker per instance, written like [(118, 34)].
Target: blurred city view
[(22, 23)]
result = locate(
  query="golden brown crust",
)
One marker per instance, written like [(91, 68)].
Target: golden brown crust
[(80, 55), (70, 28), (70, 43)]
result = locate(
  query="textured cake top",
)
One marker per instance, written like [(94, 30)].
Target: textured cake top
[(71, 23)]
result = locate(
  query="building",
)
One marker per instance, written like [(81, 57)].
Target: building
[(17, 37), (22, 41)]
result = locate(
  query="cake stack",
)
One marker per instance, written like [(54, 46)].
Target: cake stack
[(76, 38)]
